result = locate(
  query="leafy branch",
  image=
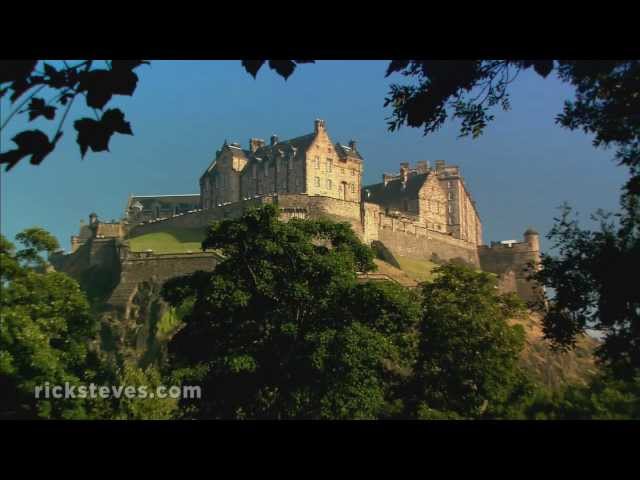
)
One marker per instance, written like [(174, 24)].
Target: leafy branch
[(96, 85)]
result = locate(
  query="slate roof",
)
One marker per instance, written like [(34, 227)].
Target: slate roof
[(393, 192), (344, 152)]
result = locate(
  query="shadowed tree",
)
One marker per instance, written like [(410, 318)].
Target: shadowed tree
[(282, 329)]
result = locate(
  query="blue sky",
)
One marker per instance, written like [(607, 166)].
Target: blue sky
[(519, 171)]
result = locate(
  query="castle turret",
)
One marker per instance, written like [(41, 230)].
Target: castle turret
[(532, 238)]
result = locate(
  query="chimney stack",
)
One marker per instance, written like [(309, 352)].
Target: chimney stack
[(274, 139), (319, 125), (255, 144), (439, 165), (352, 145), (404, 172), (422, 166)]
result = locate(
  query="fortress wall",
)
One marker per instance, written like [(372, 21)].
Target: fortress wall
[(295, 205), (427, 246), (408, 237), (141, 267), (102, 252), (317, 207), (512, 261), (200, 219)]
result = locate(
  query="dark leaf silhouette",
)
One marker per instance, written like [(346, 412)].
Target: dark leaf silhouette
[(97, 84), (30, 142), (38, 107), (543, 67), (16, 70), (56, 78), (252, 66), (117, 65), (101, 85), (284, 67), (113, 119), (123, 82), (396, 66), (95, 134)]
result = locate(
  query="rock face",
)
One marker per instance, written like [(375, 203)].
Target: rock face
[(555, 369)]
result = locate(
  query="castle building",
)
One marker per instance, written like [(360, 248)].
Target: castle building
[(419, 213), (142, 208), (313, 165), (436, 198), (310, 164)]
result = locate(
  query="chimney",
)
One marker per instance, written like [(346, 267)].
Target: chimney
[(352, 145), (93, 219), (274, 139), (255, 144), (422, 166), (404, 170), (386, 178), (319, 125), (439, 165)]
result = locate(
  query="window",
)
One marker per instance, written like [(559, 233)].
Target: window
[(328, 184), (317, 181), (353, 187), (353, 172), (317, 162), (450, 184), (329, 165), (266, 169), (450, 195), (291, 164), (253, 172), (342, 171), (450, 208)]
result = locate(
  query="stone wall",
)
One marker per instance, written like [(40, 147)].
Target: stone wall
[(136, 268), (421, 244), (304, 206), (515, 260)]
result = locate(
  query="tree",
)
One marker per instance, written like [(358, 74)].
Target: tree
[(468, 353), (45, 327), (97, 85), (592, 279), (282, 329)]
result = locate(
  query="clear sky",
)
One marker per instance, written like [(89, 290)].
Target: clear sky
[(519, 171)]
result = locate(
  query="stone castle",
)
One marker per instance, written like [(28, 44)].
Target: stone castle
[(422, 212)]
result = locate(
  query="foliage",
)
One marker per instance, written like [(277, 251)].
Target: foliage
[(605, 398), (44, 331), (142, 407), (591, 276), (282, 329), (284, 68), (97, 85), (468, 354)]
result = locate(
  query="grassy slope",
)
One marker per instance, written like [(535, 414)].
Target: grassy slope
[(172, 240), (419, 270)]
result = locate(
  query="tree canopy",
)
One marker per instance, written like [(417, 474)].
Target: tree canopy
[(282, 329)]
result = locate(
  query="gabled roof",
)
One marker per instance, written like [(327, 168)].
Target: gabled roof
[(394, 191), (300, 144)]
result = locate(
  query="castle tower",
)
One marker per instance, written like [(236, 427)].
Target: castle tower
[(532, 238)]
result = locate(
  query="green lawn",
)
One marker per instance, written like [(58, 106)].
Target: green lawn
[(172, 240), (419, 270)]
